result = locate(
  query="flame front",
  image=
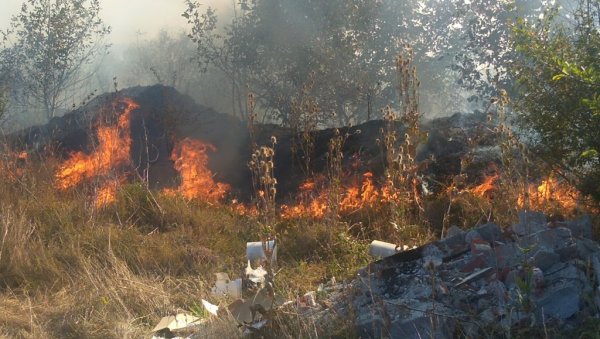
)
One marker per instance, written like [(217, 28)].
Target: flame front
[(550, 194), (197, 182), (351, 198), (487, 187), (107, 194), (111, 152)]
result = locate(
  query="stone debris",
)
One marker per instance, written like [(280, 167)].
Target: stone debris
[(474, 276), (536, 272)]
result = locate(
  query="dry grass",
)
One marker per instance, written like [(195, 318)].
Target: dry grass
[(70, 270)]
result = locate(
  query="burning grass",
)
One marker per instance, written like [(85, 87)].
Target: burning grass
[(111, 152), (190, 159), (68, 269), (111, 267)]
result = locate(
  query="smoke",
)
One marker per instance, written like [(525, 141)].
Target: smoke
[(127, 18), (149, 45)]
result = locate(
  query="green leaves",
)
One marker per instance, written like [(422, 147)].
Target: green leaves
[(590, 153), (558, 76), (558, 71)]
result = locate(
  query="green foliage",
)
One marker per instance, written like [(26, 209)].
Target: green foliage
[(558, 75)]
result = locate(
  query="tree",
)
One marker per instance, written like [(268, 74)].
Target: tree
[(166, 59), (53, 40), (348, 48), (558, 73)]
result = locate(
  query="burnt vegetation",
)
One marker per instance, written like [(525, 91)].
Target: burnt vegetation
[(343, 122)]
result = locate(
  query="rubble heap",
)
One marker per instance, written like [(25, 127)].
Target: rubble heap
[(478, 283), (535, 273)]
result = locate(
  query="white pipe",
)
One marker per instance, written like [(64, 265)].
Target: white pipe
[(380, 249)]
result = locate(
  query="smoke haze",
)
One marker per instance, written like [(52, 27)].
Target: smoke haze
[(127, 18)]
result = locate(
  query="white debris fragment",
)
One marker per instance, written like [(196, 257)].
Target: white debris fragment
[(258, 325), (176, 322), (257, 251), (211, 308), (226, 287), (257, 275), (308, 300), (381, 249)]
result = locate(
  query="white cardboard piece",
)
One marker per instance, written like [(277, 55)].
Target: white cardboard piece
[(176, 322)]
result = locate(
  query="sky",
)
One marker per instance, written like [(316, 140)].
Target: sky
[(127, 17)]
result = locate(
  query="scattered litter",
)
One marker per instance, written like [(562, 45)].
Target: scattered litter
[(381, 249), (251, 328), (252, 309), (428, 278), (211, 308), (176, 322), (226, 287), (257, 275)]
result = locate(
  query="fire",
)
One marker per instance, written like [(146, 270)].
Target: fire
[(197, 182), (351, 198), (315, 207), (107, 194), (111, 152), (550, 194), (487, 187), (242, 209), (114, 145)]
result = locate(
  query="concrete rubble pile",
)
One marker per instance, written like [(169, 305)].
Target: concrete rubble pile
[(536, 273)]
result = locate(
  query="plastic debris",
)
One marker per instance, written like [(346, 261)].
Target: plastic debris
[(226, 287), (211, 308), (259, 251), (381, 249), (257, 275)]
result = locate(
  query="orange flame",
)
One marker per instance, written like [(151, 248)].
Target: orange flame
[(111, 152), (487, 187), (191, 161), (550, 194), (351, 198), (107, 194), (114, 145)]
